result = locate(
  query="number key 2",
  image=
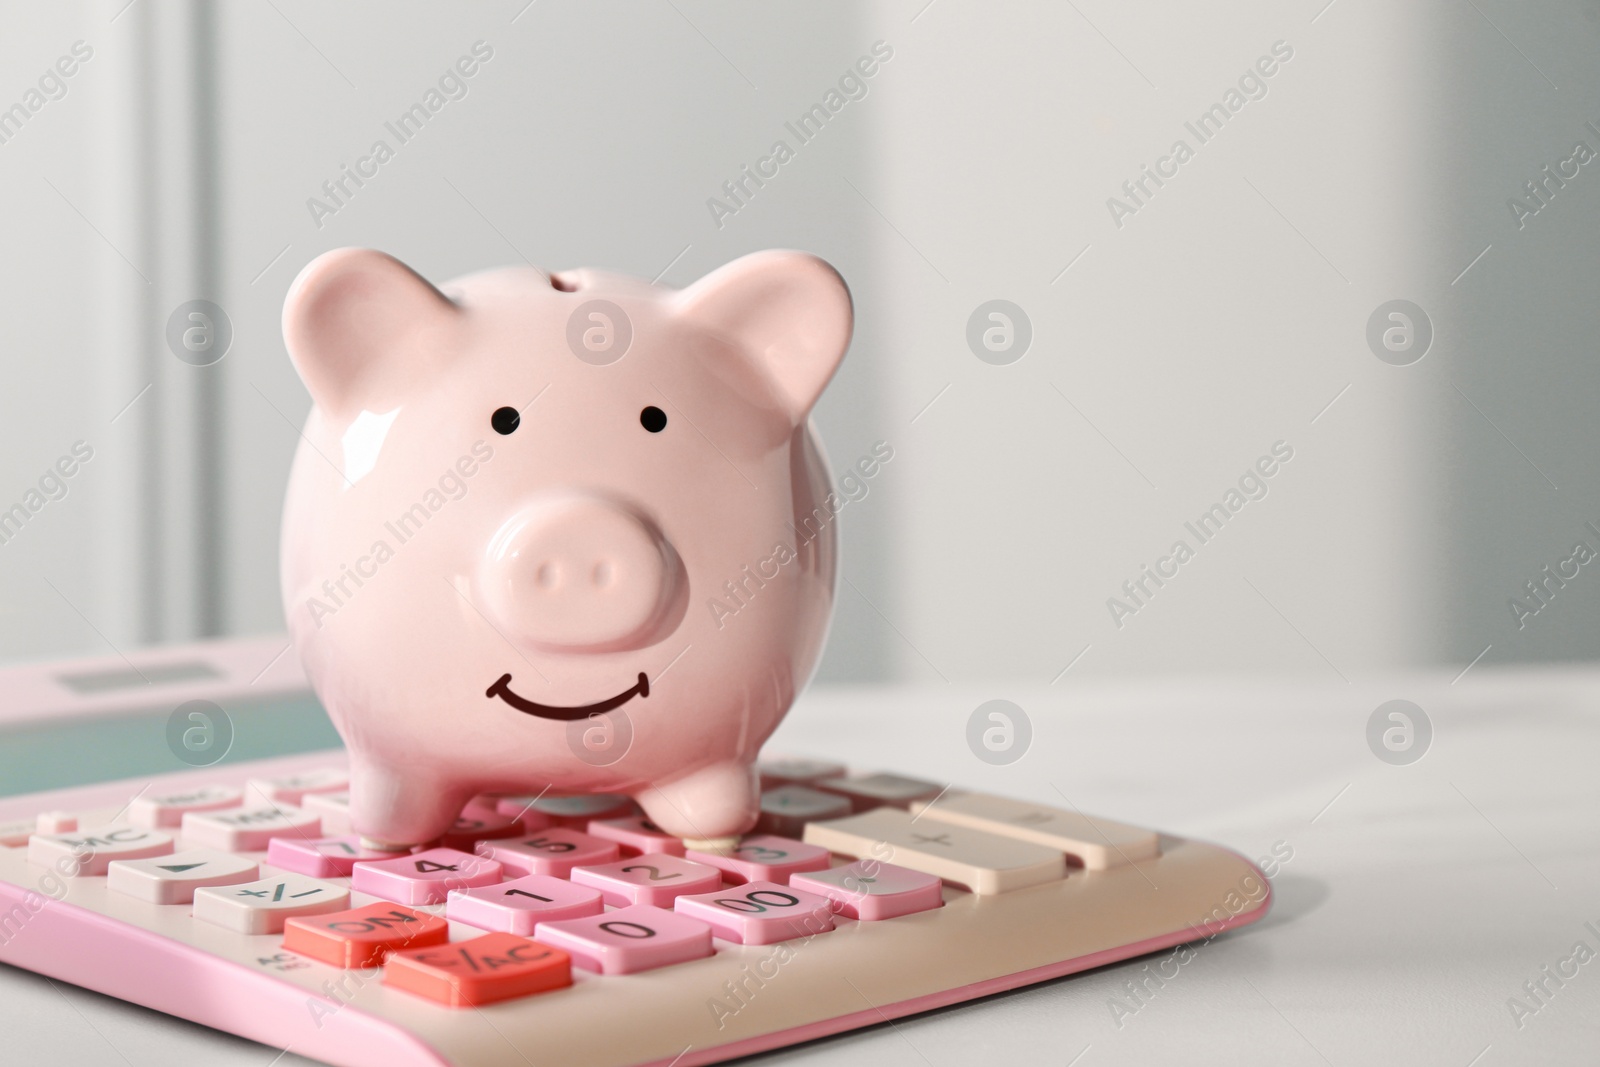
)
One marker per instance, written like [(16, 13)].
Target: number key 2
[(654, 880)]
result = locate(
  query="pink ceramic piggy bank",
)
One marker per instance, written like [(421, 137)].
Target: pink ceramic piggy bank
[(567, 531)]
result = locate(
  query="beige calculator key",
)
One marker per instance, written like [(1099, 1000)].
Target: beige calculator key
[(1099, 843), (984, 863)]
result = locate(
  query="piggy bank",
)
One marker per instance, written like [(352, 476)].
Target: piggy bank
[(560, 531)]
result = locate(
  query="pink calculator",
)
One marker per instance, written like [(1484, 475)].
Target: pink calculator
[(546, 929)]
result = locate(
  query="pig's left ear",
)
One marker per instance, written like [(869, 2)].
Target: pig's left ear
[(364, 330), (789, 311)]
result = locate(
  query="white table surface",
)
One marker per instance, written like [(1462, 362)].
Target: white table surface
[(1419, 898)]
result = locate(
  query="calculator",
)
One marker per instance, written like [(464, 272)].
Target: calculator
[(569, 929)]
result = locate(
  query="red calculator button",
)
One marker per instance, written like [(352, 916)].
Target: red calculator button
[(554, 852), (517, 906), (423, 877), (764, 858), (362, 937), (466, 974), (321, 857), (760, 913), (637, 835), (870, 889), (628, 940), (476, 824), (654, 880)]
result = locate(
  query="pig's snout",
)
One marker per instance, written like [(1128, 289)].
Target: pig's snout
[(580, 573)]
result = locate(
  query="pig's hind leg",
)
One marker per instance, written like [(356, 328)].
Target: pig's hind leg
[(708, 808)]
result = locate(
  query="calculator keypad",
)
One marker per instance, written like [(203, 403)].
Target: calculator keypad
[(557, 882)]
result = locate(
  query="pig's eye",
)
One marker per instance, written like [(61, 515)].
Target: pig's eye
[(505, 420), (653, 419)]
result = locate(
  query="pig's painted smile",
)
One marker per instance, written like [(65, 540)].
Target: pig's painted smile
[(547, 711)]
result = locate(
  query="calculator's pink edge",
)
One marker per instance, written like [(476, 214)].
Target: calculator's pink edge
[(90, 950), (885, 1012)]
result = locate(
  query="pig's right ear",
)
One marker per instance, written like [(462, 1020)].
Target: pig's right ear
[(363, 329)]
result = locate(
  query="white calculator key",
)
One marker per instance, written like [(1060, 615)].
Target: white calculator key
[(158, 810), (15, 834), (260, 907), (89, 852), (55, 822), (248, 829), (1099, 843), (334, 808), (173, 879), (292, 788), (984, 863)]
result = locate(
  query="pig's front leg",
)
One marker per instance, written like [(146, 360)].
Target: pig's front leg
[(395, 809), (709, 808)]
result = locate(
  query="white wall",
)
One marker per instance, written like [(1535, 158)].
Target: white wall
[(1219, 319)]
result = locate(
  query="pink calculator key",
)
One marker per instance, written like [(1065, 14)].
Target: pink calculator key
[(476, 824), (760, 913), (517, 906), (765, 858), (423, 877), (653, 880), (869, 889), (321, 857), (628, 940), (637, 835), (554, 852)]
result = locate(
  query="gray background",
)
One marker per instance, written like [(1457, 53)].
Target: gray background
[(1167, 354)]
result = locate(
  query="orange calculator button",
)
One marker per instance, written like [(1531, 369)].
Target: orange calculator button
[(466, 974), (363, 936)]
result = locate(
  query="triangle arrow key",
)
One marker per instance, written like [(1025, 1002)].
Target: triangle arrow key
[(181, 867)]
